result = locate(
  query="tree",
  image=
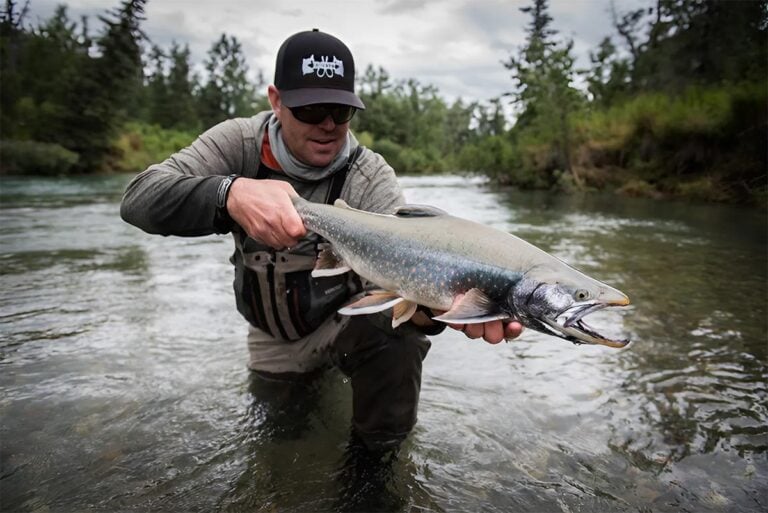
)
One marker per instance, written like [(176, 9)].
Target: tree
[(490, 119), (678, 43), (609, 77), (458, 122), (380, 118), (37, 68), (103, 94), (543, 73), (180, 86), (170, 89), (227, 91), (156, 89)]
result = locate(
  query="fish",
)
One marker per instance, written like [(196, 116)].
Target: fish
[(422, 255)]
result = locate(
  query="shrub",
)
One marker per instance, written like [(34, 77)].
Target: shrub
[(140, 145), (35, 158), (364, 139), (494, 155), (392, 153), (706, 188), (638, 189)]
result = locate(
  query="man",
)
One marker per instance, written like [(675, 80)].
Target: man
[(239, 177)]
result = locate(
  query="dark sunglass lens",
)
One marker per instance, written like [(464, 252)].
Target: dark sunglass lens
[(309, 114), (342, 114), (315, 114)]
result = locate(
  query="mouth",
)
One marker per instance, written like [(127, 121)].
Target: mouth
[(574, 328), (323, 142)]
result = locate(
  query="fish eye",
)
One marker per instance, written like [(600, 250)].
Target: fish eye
[(582, 295)]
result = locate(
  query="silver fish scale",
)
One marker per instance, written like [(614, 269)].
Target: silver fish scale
[(372, 247), (431, 258)]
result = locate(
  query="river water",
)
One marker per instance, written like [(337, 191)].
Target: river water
[(124, 385)]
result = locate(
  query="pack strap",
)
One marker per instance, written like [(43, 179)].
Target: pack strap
[(272, 268), (337, 182)]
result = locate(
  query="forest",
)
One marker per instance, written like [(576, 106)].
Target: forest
[(674, 103)]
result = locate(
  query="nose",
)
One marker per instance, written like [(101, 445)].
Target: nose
[(327, 124)]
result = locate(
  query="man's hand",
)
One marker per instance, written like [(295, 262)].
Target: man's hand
[(492, 332), (263, 208)]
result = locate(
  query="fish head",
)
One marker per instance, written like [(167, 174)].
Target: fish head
[(557, 304)]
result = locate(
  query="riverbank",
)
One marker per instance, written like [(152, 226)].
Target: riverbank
[(707, 144)]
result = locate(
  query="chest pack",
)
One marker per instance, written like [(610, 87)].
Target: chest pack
[(274, 290)]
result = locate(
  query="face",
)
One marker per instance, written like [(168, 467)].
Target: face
[(315, 145)]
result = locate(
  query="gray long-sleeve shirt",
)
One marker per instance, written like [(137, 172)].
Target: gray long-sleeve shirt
[(178, 197)]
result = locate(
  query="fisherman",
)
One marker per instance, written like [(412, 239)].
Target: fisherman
[(239, 177)]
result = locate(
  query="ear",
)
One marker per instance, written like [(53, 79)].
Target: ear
[(274, 100)]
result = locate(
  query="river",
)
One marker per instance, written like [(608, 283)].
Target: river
[(124, 385)]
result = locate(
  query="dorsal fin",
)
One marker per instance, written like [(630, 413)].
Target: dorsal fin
[(340, 203), (419, 211)]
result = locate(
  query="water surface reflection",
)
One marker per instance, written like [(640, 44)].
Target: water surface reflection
[(122, 369)]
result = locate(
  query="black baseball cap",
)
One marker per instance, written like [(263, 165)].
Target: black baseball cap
[(315, 67)]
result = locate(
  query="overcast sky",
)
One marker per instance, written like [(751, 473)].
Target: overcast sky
[(456, 45)]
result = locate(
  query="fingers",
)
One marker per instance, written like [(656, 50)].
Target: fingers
[(474, 331), (292, 227), (512, 330), (263, 208), (492, 332)]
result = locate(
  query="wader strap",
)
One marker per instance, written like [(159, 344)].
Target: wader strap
[(261, 263), (271, 267), (287, 263), (337, 182), (263, 172)]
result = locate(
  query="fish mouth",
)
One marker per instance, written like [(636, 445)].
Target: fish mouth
[(574, 328)]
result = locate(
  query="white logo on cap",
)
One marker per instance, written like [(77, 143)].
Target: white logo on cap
[(324, 68)]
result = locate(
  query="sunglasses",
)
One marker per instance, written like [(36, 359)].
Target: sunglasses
[(316, 113)]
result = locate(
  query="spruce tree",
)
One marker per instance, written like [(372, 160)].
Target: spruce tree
[(180, 86), (543, 72), (227, 91), (104, 94)]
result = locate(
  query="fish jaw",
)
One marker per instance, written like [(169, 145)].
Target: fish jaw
[(574, 329), (559, 308)]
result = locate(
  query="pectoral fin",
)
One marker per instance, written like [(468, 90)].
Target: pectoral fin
[(375, 302), (474, 308), (329, 264)]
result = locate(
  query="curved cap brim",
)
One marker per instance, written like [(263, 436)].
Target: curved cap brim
[(312, 95)]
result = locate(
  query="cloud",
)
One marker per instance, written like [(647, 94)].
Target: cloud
[(400, 6), (456, 45), (293, 13)]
